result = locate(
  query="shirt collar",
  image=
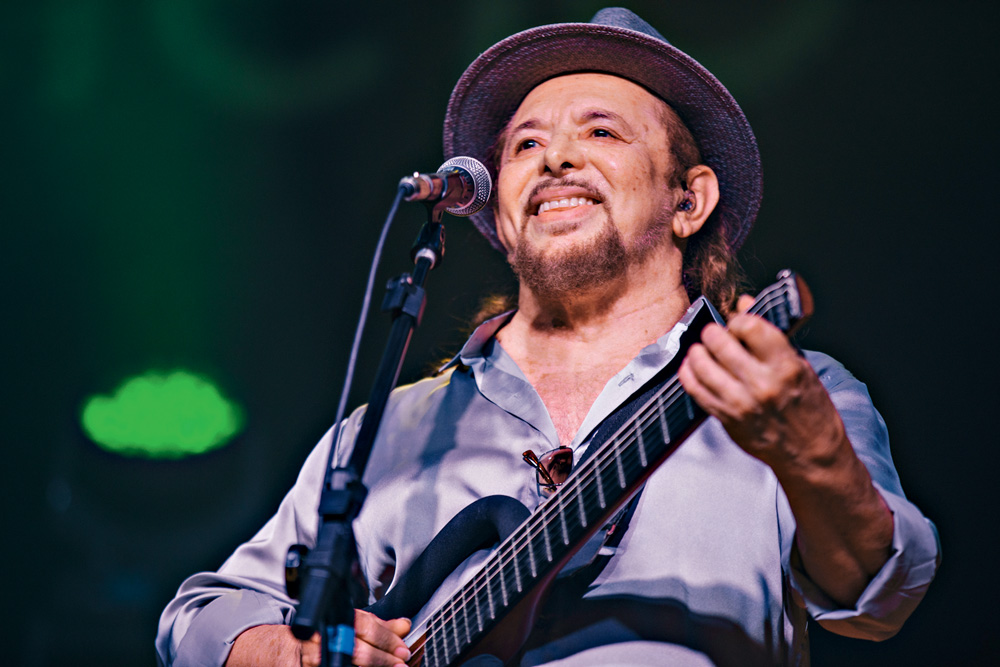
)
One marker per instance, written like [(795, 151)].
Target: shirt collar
[(475, 347), (657, 354)]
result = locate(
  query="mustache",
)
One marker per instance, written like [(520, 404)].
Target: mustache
[(566, 182)]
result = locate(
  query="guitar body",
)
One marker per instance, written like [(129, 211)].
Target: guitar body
[(494, 612), (481, 525)]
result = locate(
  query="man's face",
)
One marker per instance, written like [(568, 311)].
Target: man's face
[(583, 183)]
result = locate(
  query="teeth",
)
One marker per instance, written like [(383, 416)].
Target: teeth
[(565, 203)]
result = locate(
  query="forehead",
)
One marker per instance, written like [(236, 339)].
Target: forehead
[(586, 91)]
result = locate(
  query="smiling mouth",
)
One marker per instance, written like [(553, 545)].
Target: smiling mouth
[(564, 204)]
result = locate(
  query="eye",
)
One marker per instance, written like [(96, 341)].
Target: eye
[(601, 132), (525, 144)]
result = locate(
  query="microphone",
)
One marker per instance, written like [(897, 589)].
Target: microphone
[(463, 183)]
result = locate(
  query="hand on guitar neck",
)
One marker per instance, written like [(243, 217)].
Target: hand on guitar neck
[(773, 405), (377, 643)]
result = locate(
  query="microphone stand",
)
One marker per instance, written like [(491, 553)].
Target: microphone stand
[(328, 571)]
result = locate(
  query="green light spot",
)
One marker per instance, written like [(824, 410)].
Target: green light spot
[(162, 416)]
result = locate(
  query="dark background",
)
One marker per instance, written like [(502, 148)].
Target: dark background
[(199, 184)]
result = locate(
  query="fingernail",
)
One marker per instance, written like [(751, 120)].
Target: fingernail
[(402, 653)]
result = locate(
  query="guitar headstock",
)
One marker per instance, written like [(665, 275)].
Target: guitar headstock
[(787, 303)]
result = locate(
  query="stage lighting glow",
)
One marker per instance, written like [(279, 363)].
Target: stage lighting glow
[(162, 416)]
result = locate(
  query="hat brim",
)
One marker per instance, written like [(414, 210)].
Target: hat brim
[(492, 88)]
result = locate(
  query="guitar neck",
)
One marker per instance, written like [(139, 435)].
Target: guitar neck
[(597, 489)]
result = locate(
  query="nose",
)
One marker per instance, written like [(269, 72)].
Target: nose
[(562, 154)]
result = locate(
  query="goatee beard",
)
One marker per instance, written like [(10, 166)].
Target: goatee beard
[(598, 262)]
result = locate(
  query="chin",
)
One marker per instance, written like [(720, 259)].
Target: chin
[(572, 264)]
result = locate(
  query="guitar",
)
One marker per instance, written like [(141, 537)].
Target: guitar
[(494, 611)]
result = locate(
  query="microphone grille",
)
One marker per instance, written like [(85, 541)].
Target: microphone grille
[(482, 184)]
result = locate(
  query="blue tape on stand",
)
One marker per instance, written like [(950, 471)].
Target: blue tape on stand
[(342, 641)]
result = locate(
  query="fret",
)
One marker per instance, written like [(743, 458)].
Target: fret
[(430, 657), (447, 628), (479, 612), (458, 648), (465, 615), (600, 488), (430, 645), (579, 502), (489, 595), (503, 588), (531, 557), (517, 574), (642, 447), (618, 465), (664, 430), (450, 623), (688, 404), (562, 525), (443, 651), (548, 544)]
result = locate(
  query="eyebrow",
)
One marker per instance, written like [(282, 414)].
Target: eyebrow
[(529, 124), (590, 115), (598, 114)]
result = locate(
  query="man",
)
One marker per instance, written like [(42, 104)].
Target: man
[(626, 178)]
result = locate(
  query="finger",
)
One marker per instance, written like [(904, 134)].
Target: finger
[(379, 642), (743, 303), (366, 655), (759, 355), (386, 635), (693, 386), (717, 391), (399, 626), (761, 338), (310, 652), (728, 351)]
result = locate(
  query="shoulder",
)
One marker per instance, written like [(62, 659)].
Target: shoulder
[(427, 388), (832, 373), (413, 403), (865, 427), (849, 395)]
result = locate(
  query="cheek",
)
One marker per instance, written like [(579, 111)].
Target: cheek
[(646, 194), (506, 232), (632, 175), (506, 212), (650, 184)]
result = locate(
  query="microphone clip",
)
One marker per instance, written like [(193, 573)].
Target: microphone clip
[(461, 186)]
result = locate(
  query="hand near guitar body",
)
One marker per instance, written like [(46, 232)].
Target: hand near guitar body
[(773, 405), (377, 643)]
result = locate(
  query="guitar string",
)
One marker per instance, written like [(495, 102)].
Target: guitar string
[(452, 618), (559, 504), (555, 506)]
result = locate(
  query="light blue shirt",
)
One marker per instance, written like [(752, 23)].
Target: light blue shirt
[(701, 577)]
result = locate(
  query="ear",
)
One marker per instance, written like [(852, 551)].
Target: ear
[(704, 184)]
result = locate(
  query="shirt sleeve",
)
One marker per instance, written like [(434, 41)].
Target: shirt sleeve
[(211, 609), (898, 587)]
